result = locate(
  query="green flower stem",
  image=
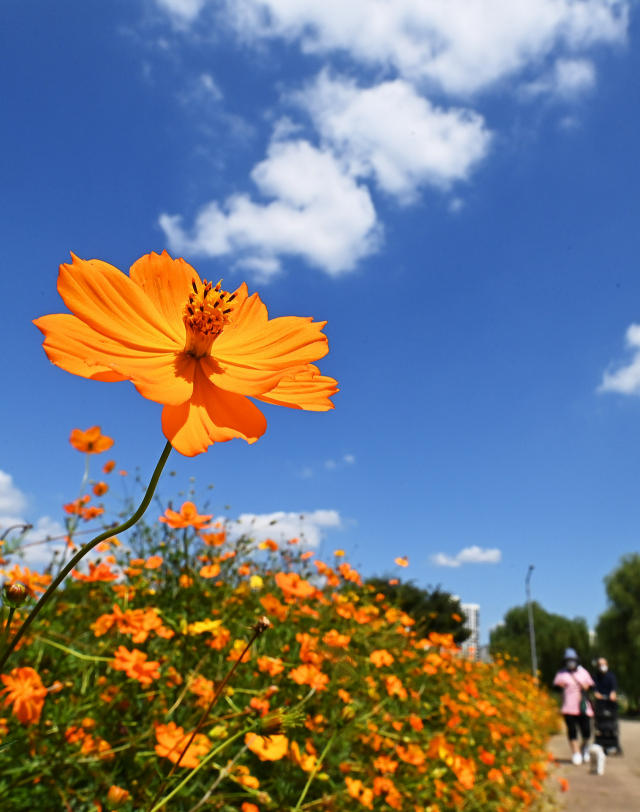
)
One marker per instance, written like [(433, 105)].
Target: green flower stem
[(5, 631), (112, 531), (201, 764), (72, 652), (313, 774)]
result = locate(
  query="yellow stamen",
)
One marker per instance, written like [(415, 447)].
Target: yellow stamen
[(207, 312)]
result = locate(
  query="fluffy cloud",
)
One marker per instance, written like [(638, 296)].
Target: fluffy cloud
[(460, 45), (13, 503), (391, 133), (310, 528), (470, 555), (569, 78), (625, 379), (316, 211)]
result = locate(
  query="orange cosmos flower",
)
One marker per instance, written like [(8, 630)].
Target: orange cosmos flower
[(402, 562), (100, 488), (309, 675), (486, 758), (269, 544), (184, 343), (153, 562), (188, 517), (411, 754), (267, 748), (210, 571), (117, 796), (270, 665), (381, 657), (101, 572), (214, 539), (292, 584), (172, 740), (108, 467), (564, 784), (135, 665), (247, 807), (25, 689), (91, 441), (385, 764), (273, 607), (335, 639), (395, 687), (33, 581), (496, 776)]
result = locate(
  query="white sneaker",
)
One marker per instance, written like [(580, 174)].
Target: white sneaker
[(576, 758)]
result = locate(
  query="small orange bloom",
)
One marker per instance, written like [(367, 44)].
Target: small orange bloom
[(247, 807), (496, 776), (269, 544), (172, 740), (307, 555), (309, 675), (25, 689), (486, 758), (214, 539), (187, 344), (292, 584), (267, 748), (108, 467), (244, 569), (91, 441), (100, 488), (210, 571), (273, 606), (117, 796), (416, 722), (393, 582), (345, 696), (33, 581), (185, 581), (188, 517), (564, 784), (153, 562), (135, 664), (260, 704), (270, 665), (411, 754), (237, 652), (381, 657), (385, 764), (101, 572), (336, 640), (402, 562)]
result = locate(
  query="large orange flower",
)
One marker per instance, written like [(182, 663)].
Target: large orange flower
[(25, 689), (187, 344)]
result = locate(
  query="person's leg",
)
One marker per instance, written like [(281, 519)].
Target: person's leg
[(572, 732), (585, 730)]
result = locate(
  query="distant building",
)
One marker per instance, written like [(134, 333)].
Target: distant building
[(471, 645)]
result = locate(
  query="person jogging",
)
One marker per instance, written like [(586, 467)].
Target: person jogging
[(575, 681)]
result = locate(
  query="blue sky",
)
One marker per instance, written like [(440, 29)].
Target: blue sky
[(454, 186)]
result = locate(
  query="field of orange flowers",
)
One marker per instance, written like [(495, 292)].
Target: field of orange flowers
[(336, 704)]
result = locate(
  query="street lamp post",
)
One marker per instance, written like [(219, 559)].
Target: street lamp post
[(532, 632)]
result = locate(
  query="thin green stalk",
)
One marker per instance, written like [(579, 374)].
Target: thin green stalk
[(5, 631), (313, 774), (112, 531), (72, 652), (201, 764)]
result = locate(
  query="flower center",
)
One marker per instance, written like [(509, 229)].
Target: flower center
[(205, 315)]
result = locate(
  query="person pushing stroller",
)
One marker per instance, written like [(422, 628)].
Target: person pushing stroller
[(607, 732), (575, 681)]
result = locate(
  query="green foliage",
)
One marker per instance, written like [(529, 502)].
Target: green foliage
[(554, 633), (433, 609), (618, 629)]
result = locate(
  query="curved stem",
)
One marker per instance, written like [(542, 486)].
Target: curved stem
[(112, 531)]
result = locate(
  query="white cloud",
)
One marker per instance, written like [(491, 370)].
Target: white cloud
[(12, 500), (625, 379), (349, 459), (470, 555), (316, 211), (310, 528), (568, 79), (393, 134), (460, 45)]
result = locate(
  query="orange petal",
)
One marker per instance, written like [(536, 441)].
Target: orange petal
[(74, 346), (167, 283), (114, 305), (239, 379), (211, 416), (276, 344), (308, 390), (64, 352)]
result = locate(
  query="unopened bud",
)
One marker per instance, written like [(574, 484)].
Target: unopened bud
[(116, 797), (14, 595)]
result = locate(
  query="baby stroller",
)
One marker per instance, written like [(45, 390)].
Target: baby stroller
[(607, 729)]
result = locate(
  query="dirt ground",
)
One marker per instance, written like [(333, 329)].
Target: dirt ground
[(618, 790)]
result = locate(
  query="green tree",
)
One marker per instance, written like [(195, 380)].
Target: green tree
[(554, 633), (618, 629), (432, 609)]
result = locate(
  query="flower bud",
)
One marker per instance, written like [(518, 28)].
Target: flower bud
[(14, 595), (116, 797)]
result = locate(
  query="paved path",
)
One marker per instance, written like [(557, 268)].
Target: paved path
[(618, 790)]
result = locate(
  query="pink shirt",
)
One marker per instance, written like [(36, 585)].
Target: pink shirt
[(572, 682)]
